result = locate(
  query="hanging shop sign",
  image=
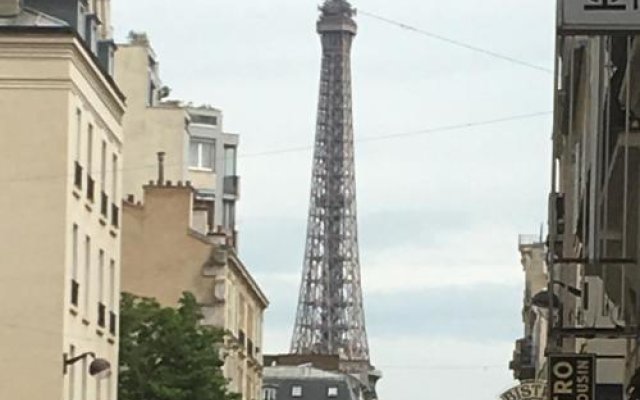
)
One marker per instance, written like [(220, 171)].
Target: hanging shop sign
[(598, 16), (572, 376), (528, 390)]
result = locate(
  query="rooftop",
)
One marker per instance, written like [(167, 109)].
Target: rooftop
[(301, 372), (33, 18)]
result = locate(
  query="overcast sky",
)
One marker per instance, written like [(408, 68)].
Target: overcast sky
[(439, 213)]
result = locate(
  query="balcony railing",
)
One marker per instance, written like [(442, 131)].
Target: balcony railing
[(102, 315), (113, 320), (104, 204), (232, 185), (91, 187), (115, 216), (77, 176), (75, 292)]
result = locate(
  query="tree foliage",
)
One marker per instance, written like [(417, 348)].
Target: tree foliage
[(166, 354)]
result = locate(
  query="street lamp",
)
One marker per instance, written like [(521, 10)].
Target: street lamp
[(97, 366)]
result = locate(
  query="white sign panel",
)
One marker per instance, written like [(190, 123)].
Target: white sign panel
[(598, 16)]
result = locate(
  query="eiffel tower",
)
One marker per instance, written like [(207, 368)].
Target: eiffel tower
[(330, 317)]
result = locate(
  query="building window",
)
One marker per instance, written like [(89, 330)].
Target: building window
[(85, 371), (74, 252), (110, 386), (98, 389), (112, 285), (103, 166), (74, 266), (101, 276), (332, 391), (204, 119), (87, 273), (114, 177), (229, 214), (82, 19), (90, 149), (152, 94), (72, 374), (78, 133), (202, 154), (230, 161), (296, 391)]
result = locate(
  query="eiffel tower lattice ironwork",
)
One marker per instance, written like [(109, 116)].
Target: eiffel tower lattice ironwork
[(330, 317)]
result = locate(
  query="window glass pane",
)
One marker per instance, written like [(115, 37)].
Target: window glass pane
[(230, 161), (207, 155), (193, 154)]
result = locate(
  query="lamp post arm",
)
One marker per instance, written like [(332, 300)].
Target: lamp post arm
[(66, 362)]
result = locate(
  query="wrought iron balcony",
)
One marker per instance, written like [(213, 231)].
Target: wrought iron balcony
[(77, 175), (102, 315), (232, 185)]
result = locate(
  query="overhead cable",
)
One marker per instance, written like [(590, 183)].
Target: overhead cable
[(455, 42)]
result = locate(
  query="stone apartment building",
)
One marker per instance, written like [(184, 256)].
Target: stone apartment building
[(62, 133), (593, 238), (179, 225), (163, 256), (529, 361)]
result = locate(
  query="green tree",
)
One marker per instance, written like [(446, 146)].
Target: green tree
[(166, 354)]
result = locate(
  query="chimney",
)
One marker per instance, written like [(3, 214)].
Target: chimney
[(10, 8), (160, 166)]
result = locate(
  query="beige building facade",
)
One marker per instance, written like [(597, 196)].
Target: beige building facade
[(163, 256), (192, 139), (593, 224), (179, 225), (59, 282)]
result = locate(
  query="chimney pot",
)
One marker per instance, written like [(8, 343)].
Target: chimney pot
[(161, 155)]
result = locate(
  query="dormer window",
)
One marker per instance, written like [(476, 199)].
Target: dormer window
[(82, 20), (269, 393), (91, 32)]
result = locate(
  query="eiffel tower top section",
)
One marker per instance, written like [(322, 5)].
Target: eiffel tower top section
[(337, 16)]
